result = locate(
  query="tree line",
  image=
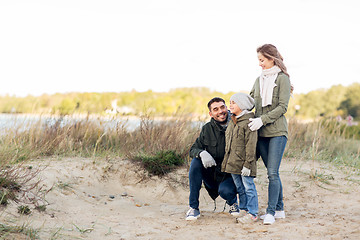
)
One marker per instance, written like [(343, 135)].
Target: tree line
[(336, 101)]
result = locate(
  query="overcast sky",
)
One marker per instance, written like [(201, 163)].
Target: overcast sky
[(113, 45)]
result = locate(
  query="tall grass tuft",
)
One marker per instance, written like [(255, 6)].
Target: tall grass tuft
[(20, 184), (23, 232), (151, 137), (325, 140), (165, 142)]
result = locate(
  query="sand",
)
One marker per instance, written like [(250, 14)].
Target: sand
[(116, 199)]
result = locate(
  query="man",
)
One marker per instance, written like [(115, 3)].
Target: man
[(208, 153)]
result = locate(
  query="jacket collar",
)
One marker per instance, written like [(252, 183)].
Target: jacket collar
[(242, 118)]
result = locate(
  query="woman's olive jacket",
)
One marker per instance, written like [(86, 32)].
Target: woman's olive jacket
[(272, 116)]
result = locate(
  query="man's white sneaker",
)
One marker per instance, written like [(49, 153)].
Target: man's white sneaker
[(278, 214), (192, 214), (269, 219)]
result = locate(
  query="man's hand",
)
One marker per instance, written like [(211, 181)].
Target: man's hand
[(245, 172), (207, 159), (255, 123)]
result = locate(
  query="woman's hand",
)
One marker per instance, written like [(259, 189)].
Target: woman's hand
[(255, 124)]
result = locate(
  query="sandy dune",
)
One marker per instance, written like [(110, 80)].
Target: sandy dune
[(115, 199)]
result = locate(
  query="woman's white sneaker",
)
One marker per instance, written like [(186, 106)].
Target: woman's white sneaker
[(278, 214), (269, 219)]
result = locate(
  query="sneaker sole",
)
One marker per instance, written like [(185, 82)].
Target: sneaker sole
[(192, 218), (268, 223), (262, 218), (276, 217)]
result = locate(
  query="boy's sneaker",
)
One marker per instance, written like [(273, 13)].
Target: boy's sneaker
[(278, 214), (234, 210), (192, 214), (248, 218), (269, 219)]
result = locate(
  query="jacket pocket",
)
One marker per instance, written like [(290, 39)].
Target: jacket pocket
[(210, 146), (211, 143)]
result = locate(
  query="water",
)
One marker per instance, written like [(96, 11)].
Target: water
[(22, 122)]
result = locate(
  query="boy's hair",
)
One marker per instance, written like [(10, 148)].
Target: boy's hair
[(215, 99)]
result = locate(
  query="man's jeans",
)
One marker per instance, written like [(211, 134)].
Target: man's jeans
[(247, 193), (271, 150), (199, 174)]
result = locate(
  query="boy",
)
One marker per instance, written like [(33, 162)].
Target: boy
[(240, 154)]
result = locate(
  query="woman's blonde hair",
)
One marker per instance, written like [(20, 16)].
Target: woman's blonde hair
[(270, 52)]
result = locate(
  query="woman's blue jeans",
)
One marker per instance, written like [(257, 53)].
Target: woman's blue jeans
[(198, 174), (271, 150), (247, 193)]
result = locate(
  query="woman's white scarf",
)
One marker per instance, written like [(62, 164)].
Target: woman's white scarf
[(267, 84)]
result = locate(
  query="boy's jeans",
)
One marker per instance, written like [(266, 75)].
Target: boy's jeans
[(247, 185), (271, 150), (199, 174)]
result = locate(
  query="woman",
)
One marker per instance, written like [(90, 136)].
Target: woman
[(271, 92)]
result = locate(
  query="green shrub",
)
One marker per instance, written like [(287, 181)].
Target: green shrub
[(9, 184), (41, 208), (353, 132), (162, 162), (24, 210)]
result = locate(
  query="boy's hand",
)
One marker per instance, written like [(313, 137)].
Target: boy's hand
[(207, 159), (245, 172), (255, 123)]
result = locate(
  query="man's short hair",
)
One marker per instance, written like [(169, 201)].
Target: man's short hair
[(215, 99)]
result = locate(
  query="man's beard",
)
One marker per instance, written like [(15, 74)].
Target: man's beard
[(222, 122)]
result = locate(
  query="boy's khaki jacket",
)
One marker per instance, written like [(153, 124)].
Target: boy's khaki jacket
[(240, 146)]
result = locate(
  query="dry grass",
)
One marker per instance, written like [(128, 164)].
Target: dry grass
[(95, 137), (152, 137), (323, 140)]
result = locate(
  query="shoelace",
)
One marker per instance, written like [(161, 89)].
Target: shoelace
[(231, 207), (225, 207)]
